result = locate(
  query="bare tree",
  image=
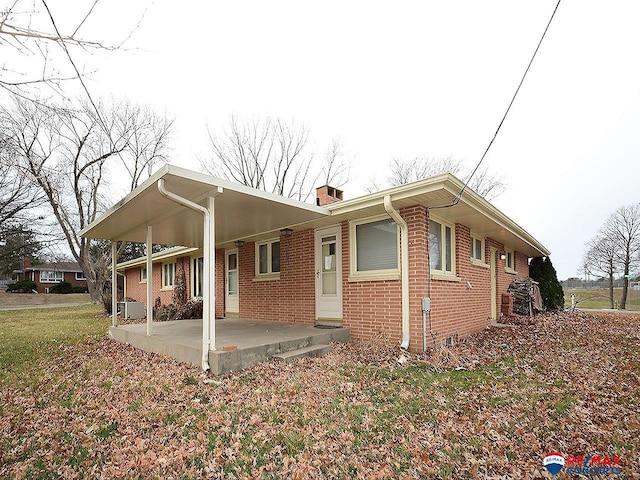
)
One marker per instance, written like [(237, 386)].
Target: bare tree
[(623, 229), (402, 171), (66, 153), (273, 156), (600, 259), (18, 196), (36, 52)]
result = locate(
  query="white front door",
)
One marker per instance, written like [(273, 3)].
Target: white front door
[(231, 303), (328, 249)]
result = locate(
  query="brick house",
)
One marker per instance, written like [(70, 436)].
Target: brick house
[(46, 275), (394, 263)]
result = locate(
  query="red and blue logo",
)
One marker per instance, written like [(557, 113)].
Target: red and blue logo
[(553, 462)]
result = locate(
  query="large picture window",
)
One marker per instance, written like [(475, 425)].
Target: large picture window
[(374, 246), (441, 247), (50, 276), (268, 258)]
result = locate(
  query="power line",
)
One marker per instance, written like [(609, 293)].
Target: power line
[(457, 197)]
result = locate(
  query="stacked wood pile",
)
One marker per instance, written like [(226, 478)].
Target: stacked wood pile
[(526, 296)]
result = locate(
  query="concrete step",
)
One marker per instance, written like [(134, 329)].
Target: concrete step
[(310, 351)]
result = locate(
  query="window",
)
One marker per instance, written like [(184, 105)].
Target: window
[(49, 276), (168, 274), (477, 249), (268, 258), (509, 262), (197, 276), (80, 276), (374, 246), (441, 244), (143, 274)]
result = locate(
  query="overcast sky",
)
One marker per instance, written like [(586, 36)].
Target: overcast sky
[(402, 79)]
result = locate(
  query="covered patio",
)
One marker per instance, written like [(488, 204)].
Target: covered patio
[(240, 343), (176, 206)]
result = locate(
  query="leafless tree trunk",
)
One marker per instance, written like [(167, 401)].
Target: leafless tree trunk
[(273, 156), (66, 152), (623, 228), (483, 182), (600, 259)]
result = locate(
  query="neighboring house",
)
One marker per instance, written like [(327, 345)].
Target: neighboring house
[(46, 275), (395, 263)]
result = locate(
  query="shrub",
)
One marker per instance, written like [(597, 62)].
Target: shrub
[(79, 290), (541, 270), (24, 286), (61, 287), (191, 309)]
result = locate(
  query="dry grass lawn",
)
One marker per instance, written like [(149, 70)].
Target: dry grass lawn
[(491, 407)]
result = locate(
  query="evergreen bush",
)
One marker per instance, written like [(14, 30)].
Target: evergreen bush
[(24, 286), (61, 287), (542, 271)]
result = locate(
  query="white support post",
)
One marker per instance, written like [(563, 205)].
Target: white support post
[(212, 273), (114, 283), (149, 279)]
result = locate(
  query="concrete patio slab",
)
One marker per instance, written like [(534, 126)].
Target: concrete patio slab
[(256, 340)]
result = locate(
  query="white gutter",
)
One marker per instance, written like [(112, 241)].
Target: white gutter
[(207, 247), (404, 269)]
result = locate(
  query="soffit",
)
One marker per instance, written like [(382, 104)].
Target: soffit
[(240, 212)]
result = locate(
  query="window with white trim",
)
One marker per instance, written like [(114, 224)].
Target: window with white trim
[(143, 274), (477, 249), (197, 276), (374, 246), (268, 258), (441, 247), (50, 276), (510, 261), (168, 274), (80, 276)]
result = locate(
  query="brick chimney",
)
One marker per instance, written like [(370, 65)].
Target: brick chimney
[(326, 195), (26, 263)]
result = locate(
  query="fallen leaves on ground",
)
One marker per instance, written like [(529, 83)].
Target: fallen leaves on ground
[(490, 407)]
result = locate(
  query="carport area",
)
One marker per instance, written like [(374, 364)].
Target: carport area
[(240, 343)]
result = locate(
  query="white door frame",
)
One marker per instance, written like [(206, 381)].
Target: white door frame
[(231, 302), (328, 306)]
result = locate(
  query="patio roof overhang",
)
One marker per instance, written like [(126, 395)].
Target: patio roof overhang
[(240, 212)]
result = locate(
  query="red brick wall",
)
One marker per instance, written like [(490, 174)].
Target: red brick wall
[(371, 309), (291, 298)]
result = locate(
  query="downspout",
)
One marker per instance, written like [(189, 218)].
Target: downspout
[(206, 338), (404, 269)]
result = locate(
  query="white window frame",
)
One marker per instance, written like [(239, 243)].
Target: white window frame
[(443, 273), (194, 276), (80, 276), (477, 261), (509, 268), (269, 274), (368, 275), (165, 283), (143, 275), (55, 273)]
